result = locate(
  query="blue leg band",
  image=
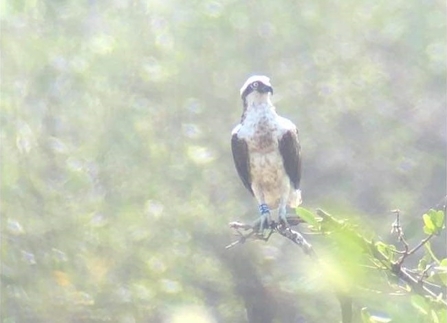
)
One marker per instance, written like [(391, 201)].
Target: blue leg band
[(264, 209)]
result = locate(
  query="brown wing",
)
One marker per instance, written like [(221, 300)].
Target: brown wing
[(290, 150), (241, 160)]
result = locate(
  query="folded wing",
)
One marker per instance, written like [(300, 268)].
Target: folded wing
[(241, 160), (290, 150)]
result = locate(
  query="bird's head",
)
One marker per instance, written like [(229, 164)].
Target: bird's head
[(259, 84)]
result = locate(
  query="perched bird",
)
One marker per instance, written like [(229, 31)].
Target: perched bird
[(266, 152)]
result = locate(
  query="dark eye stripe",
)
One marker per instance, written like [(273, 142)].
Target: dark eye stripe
[(254, 85)]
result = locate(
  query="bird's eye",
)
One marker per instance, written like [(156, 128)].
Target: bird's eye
[(254, 85)]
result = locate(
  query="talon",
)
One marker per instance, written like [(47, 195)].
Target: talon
[(284, 222), (283, 218)]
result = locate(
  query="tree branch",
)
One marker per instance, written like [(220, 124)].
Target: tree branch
[(418, 286), (285, 231), (298, 239)]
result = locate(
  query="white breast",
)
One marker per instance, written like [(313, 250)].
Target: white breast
[(262, 128)]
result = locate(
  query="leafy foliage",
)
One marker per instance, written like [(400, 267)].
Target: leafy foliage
[(356, 260)]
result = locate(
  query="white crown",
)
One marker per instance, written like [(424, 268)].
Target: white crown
[(260, 78)]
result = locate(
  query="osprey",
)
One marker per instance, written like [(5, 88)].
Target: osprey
[(266, 152)]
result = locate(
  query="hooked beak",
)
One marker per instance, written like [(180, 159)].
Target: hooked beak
[(264, 89)]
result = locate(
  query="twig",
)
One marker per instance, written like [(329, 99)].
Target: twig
[(397, 228), (282, 229), (420, 244), (418, 286), (237, 226)]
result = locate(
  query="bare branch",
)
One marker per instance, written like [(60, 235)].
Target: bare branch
[(397, 228), (420, 244), (297, 238), (284, 230)]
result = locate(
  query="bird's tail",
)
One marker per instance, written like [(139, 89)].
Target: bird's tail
[(295, 199)]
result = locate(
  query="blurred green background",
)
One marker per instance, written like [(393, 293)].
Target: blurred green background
[(117, 180)]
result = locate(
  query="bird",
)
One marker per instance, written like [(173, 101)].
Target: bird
[(267, 153)]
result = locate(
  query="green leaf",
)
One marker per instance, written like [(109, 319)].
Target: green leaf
[(437, 217), (429, 226), (307, 216), (420, 303), (441, 271), (427, 247), (433, 221), (423, 262), (386, 250), (434, 317), (441, 314)]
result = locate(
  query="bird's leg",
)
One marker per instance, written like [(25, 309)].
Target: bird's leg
[(282, 215), (264, 221)]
